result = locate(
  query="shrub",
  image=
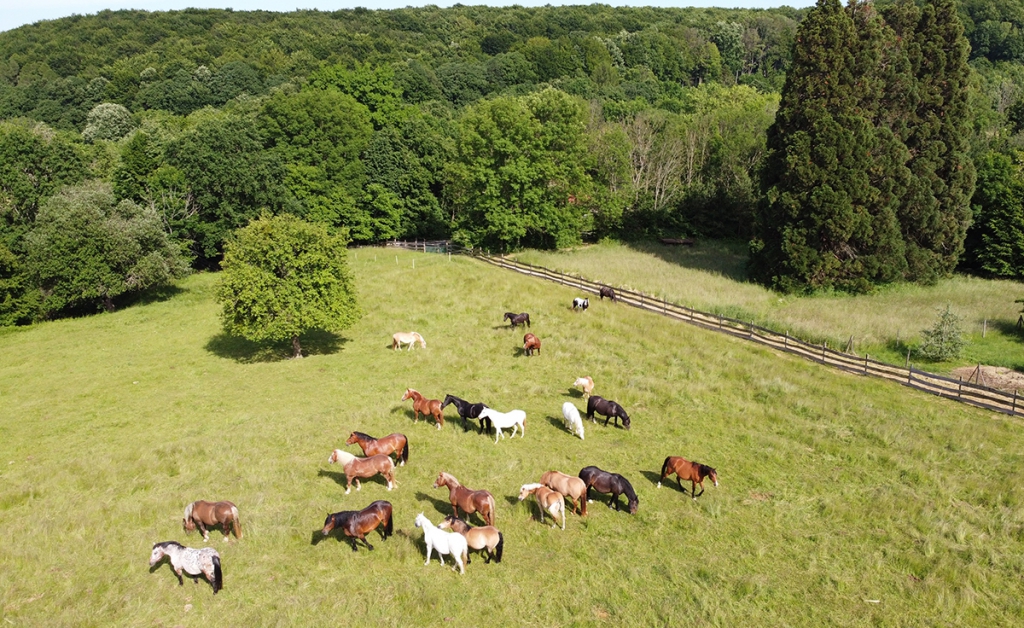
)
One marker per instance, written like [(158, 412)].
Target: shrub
[(945, 340)]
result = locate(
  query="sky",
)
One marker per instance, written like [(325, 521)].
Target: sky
[(15, 13)]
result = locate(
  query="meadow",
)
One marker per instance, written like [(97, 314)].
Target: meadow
[(843, 501)]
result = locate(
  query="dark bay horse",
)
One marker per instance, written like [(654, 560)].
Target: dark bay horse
[(608, 292), (479, 538), (420, 404), (469, 500), (467, 410), (608, 408), (395, 443), (605, 482), (355, 524), (517, 319), (695, 472), (531, 343), (202, 514)]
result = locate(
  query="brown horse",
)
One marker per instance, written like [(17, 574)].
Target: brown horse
[(202, 514), (479, 538), (573, 488), (357, 523), (695, 472), (469, 500), (370, 466), (424, 405), (531, 343), (392, 443)]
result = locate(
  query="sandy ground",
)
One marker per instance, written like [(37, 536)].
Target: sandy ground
[(993, 377)]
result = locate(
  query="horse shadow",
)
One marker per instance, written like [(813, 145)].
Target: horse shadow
[(442, 506), (513, 500), (655, 477), (574, 393), (343, 481), (558, 422), (314, 342)]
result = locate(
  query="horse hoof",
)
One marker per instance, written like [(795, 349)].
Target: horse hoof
[(659, 485)]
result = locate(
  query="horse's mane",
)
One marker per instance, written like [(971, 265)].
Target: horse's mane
[(166, 544), (362, 435), (627, 488), (188, 512), (449, 477), (705, 469), (532, 486)]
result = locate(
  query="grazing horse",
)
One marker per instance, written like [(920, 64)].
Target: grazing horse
[(516, 419), (444, 542), (467, 410), (395, 443), (604, 482), (573, 488), (573, 422), (370, 466), (547, 499), (469, 500), (586, 383), (608, 408), (355, 524), (695, 472), (192, 561), (424, 405), (202, 514), (608, 292), (407, 338), (479, 538), (580, 304), (517, 319), (531, 343)]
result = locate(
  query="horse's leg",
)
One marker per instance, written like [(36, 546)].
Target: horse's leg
[(202, 528), (428, 553), (363, 537), (348, 486), (177, 572), (359, 485)]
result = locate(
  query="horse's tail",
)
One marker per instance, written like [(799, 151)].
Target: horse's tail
[(404, 456), (388, 525), (218, 575), (499, 547), (490, 509), (235, 523), (665, 467)]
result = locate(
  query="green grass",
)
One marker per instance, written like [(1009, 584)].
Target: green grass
[(836, 491)]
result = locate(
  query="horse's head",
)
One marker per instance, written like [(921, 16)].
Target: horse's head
[(157, 555), (329, 524), (508, 316), (419, 339), (634, 505), (188, 524), (408, 393), (352, 440), (442, 479), (527, 490), (447, 399), (711, 473), (625, 420), (420, 518)]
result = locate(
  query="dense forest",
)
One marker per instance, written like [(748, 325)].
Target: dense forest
[(151, 136)]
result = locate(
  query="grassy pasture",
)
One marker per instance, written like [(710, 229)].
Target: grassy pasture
[(843, 501)]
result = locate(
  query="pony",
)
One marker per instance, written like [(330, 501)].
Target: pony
[(424, 405), (604, 482), (202, 514), (395, 443), (407, 338), (572, 419), (370, 466), (205, 561), (695, 472), (580, 304), (355, 524), (517, 319), (586, 383), (444, 542), (467, 411), (608, 408), (479, 538), (531, 343), (547, 499), (573, 488), (501, 420), (608, 292), (469, 500)]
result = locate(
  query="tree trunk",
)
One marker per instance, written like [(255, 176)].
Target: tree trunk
[(296, 349), (108, 304)]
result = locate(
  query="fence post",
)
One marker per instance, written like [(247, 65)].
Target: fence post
[(664, 304), (719, 321), (824, 344), (910, 373), (960, 387), (1014, 410), (785, 342), (750, 329), (865, 364), (984, 328)]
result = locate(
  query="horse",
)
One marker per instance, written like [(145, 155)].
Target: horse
[(572, 419), (501, 420), (202, 514), (608, 408), (424, 405), (586, 383), (469, 500), (479, 538), (531, 343), (547, 499), (467, 410), (370, 466), (695, 472), (407, 338), (580, 304), (608, 292), (573, 488), (205, 561), (444, 542), (392, 443), (355, 524), (517, 319), (604, 482)]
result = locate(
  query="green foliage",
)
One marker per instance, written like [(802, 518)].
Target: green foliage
[(996, 238), (944, 340), (19, 303), (107, 121)]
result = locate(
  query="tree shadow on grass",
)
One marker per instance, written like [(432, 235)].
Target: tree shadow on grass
[(152, 295), (314, 342), (1008, 329), (727, 258)]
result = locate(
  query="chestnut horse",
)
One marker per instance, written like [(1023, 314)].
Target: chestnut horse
[(202, 514), (574, 489), (479, 538), (531, 343), (469, 500), (695, 472), (370, 466), (517, 319), (395, 443), (547, 499), (604, 482), (357, 523), (424, 405)]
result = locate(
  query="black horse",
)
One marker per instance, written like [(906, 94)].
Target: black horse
[(608, 408), (604, 482), (517, 319), (468, 410), (608, 292)]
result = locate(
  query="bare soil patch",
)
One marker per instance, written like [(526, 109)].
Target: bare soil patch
[(997, 377)]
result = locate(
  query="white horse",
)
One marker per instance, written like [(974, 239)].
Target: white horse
[(515, 419), (444, 542), (407, 338), (547, 499), (587, 383), (573, 422)]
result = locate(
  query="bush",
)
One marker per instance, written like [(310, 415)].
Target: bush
[(107, 121), (945, 340)]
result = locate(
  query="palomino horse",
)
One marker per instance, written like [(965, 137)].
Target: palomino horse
[(444, 542), (356, 524), (424, 405), (531, 344), (469, 500), (608, 292), (586, 383), (608, 408), (604, 482), (407, 338), (517, 319), (695, 472), (370, 466), (503, 420), (395, 443), (574, 489), (547, 499), (573, 422), (202, 514), (467, 410), (205, 561), (479, 538)]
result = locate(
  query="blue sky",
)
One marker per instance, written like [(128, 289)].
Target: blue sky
[(14, 13)]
